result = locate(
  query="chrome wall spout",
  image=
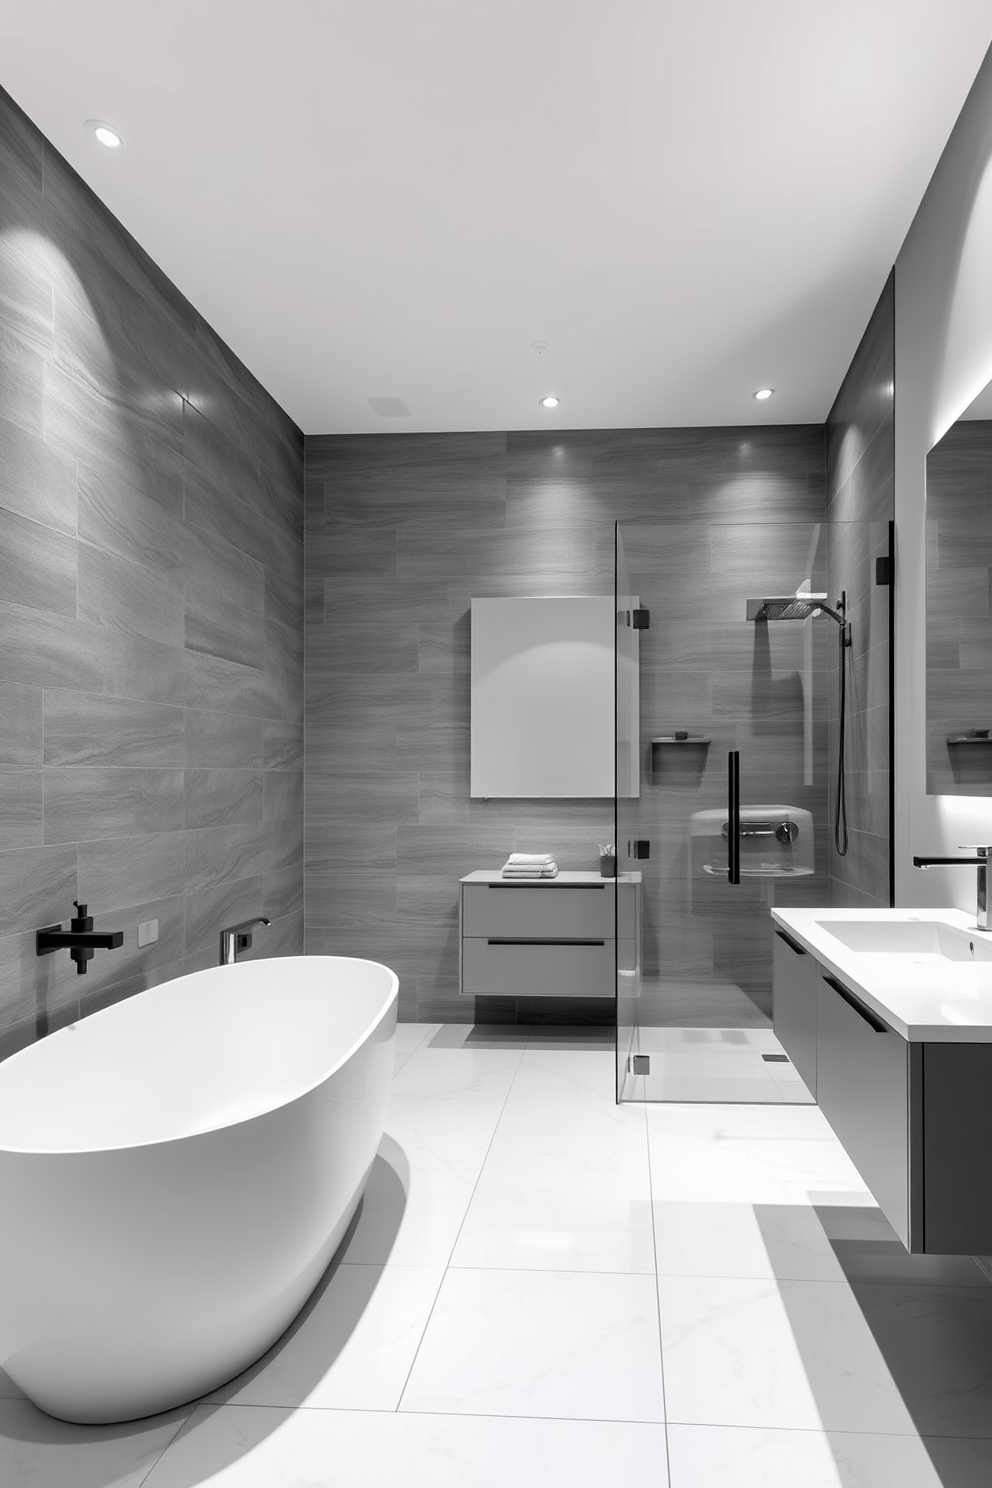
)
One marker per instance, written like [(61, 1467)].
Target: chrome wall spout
[(80, 940), (237, 938), (984, 852)]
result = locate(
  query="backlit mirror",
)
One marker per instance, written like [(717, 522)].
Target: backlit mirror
[(959, 622)]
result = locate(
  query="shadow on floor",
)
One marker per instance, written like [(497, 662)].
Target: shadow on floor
[(930, 1323)]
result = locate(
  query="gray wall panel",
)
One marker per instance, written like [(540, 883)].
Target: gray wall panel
[(402, 531), (860, 504), (139, 455)]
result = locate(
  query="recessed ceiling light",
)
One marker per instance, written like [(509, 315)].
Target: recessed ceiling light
[(763, 393), (105, 134), (550, 401)]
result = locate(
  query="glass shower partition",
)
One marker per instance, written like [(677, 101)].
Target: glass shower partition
[(626, 794), (731, 804)]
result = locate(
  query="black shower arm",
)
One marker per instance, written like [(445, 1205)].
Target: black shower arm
[(841, 617)]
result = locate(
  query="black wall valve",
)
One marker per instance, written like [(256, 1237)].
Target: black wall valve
[(80, 940)]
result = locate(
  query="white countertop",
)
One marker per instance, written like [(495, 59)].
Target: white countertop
[(924, 997)]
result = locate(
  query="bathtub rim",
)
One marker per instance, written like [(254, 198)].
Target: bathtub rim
[(7, 1149)]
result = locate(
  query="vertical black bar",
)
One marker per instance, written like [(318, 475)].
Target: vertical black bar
[(616, 808), (892, 713), (734, 816)]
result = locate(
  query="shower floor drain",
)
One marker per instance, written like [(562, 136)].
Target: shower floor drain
[(775, 1058)]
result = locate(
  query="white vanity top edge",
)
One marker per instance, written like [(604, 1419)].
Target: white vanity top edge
[(925, 999), (564, 878)]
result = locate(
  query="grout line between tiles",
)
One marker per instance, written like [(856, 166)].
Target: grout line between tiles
[(447, 1264), (657, 1297), (182, 1424)]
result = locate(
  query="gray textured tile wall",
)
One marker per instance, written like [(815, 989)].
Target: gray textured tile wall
[(402, 532), (707, 945), (860, 505), (151, 601)]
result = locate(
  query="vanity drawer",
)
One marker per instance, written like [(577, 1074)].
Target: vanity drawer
[(794, 1001), (533, 969), (539, 911), (863, 1088)]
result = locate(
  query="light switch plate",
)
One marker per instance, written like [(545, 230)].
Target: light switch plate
[(147, 932)]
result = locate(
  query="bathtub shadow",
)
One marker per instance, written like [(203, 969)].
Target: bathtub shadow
[(295, 1364), (300, 1358)]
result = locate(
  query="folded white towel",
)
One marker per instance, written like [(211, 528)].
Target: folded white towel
[(528, 859), (545, 870)]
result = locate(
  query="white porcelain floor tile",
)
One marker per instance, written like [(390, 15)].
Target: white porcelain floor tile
[(531, 1343), (743, 1057), (550, 1202), (447, 1074), (570, 1126), (255, 1447), (37, 1451), (410, 1036), (790, 1354), (750, 1154), (553, 1097), (736, 1457), (735, 1088), (745, 1240), (937, 1341), (421, 1182), (352, 1346), (653, 1039)]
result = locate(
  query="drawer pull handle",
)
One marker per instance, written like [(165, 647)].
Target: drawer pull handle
[(507, 942), (872, 1019), (792, 944), (550, 884)]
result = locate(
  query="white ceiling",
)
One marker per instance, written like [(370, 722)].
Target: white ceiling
[(686, 199)]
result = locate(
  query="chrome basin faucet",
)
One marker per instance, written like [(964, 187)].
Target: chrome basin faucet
[(984, 852), (237, 938)]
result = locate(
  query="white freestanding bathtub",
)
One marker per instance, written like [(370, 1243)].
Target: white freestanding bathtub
[(176, 1173)]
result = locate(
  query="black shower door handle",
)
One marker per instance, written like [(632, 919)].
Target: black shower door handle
[(734, 816)]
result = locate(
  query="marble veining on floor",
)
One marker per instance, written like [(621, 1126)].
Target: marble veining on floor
[(543, 1288)]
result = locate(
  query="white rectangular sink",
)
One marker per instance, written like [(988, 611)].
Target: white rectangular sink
[(916, 938)]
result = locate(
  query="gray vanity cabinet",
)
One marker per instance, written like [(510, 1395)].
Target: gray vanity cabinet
[(541, 937), (914, 1116), (794, 980), (869, 1087)]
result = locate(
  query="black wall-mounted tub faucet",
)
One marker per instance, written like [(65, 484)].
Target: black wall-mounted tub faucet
[(80, 940)]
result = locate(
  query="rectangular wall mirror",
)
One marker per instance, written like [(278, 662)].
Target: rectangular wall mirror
[(543, 697), (959, 624)]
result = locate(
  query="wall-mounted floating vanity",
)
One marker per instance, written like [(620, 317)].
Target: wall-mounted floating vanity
[(887, 1016), (554, 937)]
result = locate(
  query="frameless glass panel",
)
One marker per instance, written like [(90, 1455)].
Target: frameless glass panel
[(737, 660), (627, 791)]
